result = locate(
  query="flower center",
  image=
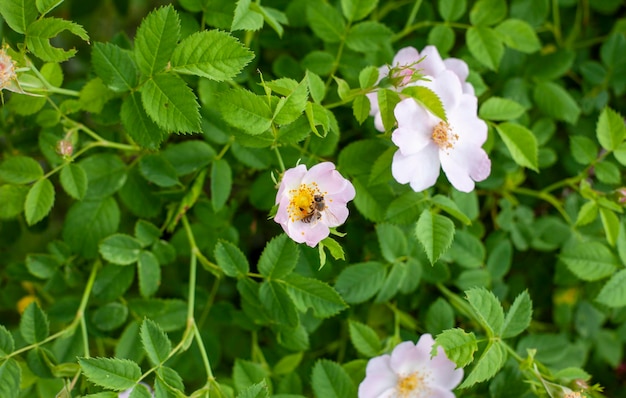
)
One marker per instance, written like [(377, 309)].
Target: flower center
[(302, 200), (443, 136), (409, 385)]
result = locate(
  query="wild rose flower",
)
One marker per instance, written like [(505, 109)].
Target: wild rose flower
[(402, 73), (426, 142), (7, 71), (410, 372), (310, 202)]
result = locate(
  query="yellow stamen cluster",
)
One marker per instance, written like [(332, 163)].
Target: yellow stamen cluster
[(409, 385), (443, 136), (301, 203)]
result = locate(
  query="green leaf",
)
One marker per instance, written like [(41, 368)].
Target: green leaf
[(18, 14), (231, 260), (7, 344), (451, 10), (488, 310), (112, 373), (10, 378), (364, 339), (587, 214), (106, 174), (39, 33), (317, 295), (355, 10), (519, 316), (120, 249), (94, 95), (42, 265), (45, 6), (467, 250), (485, 45), (12, 198), (329, 380), (247, 373), (157, 169), (361, 108), (149, 273), (442, 37), (273, 17), (316, 86), (39, 201), (387, 101), (288, 364), (115, 66), (110, 316), (368, 36), (245, 18), (381, 169), (496, 108), (212, 54), (359, 282), (521, 143), (519, 35), (491, 360), (138, 125), (428, 99), (156, 39), (584, 149), (371, 200), (245, 110), (611, 130), (488, 12), (279, 258), (74, 180), (611, 224), (459, 346), (258, 390), (325, 21), (278, 304), (435, 233), (591, 261), (171, 104), (613, 293), (155, 342), (291, 107), (554, 101), (392, 241), (34, 325), (20, 170), (449, 206), (439, 317), (146, 232)]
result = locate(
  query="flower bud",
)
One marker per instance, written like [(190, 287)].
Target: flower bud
[(65, 148), (7, 69)]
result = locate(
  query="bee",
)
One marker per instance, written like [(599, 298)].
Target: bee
[(317, 208)]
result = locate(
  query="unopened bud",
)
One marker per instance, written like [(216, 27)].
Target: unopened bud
[(65, 148), (7, 69), (621, 195)]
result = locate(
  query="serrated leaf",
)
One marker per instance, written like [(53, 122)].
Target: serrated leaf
[(392, 241), (488, 310), (518, 317), (364, 339), (231, 260), (583, 149), (149, 273), (435, 233), (458, 345), (120, 249), (496, 108), (279, 258), (7, 344), (86, 223), (247, 373), (20, 170), (613, 293), (519, 35), (611, 130), (325, 21), (590, 262), (467, 250), (212, 54), (611, 224), (138, 125), (12, 198), (115, 66), (360, 282), (428, 99), (45, 6), (112, 373), (18, 14), (387, 101), (292, 106), (361, 108), (317, 295), (34, 325), (329, 380), (155, 342), (171, 104), (246, 19), (39, 201), (245, 110), (316, 86), (278, 304), (554, 101), (156, 40), (485, 45), (39, 33), (521, 143), (587, 213), (491, 360), (10, 379), (258, 390), (449, 206), (74, 180)]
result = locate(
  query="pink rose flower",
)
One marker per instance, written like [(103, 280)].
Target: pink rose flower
[(426, 142), (7, 71), (310, 202), (411, 372), (406, 62)]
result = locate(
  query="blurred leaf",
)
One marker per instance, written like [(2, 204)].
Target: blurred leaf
[(106, 174), (156, 40), (392, 241), (39, 33), (18, 14), (449, 206), (611, 224), (584, 149), (451, 10), (325, 21), (355, 10), (149, 273), (519, 316), (45, 6), (247, 373), (245, 18), (20, 170), (39, 201), (467, 250), (34, 325), (367, 36), (485, 45), (329, 380), (115, 66), (109, 316), (317, 295), (611, 129), (554, 101), (435, 233), (74, 180), (212, 54), (112, 373), (439, 317), (488, 12), (364, 339), (41, 265), (171, 104), (590, 262), (120, 249), (7, 344), (157, 169), (521, 143), (519, 35), (155, 342), (12, 198), (496, 108), (189, 156), (258, 390), (360, 282), (231, 259), (459, 346), (10, 379), (613, 293)]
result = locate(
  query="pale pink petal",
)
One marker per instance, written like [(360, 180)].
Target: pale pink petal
[(481, 166), (458, 66), (415, 127), (457, 172), (291, 180), (378, 122), (468, 88), (420, 170), (406, 56), (282, 214), (432, 65), (335, 214), (379, 378), (407, 358), (447, 86), (436, 392), (443, 371), (310, 233), (373, 97)]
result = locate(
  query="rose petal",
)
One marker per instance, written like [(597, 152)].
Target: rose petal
[(458, 66), (291, 180), (443, 371), (432, 64), (457, 172), (310, 233), (407, 358), (415, 127), (406, 57), (421, 170), (335, 214)]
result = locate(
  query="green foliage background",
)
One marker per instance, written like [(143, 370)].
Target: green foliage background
[(146, 252)]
